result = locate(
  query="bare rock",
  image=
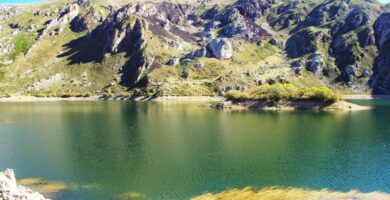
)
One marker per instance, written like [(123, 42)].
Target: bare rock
[(198, 65), (185, 61), (221, 48), (316, 63), (211, 13), (66, 16), (174, 61), (15, 26), (381, 78), (9, 190), (86, 22)]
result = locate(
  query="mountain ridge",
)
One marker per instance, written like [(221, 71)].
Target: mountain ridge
[(159, 48)]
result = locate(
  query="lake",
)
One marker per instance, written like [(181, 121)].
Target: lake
[(176, 151)]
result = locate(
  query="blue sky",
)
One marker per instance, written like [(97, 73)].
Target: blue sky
[(18, 1)]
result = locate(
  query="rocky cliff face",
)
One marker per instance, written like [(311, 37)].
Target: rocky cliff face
[(124, 32), (381, 78), (86, 22), (239, 20), (65, 17)]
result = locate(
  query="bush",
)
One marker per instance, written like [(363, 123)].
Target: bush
[(87, 94), (108, 95), (281, 91), (321, 93), (125, 94), (21, 45), (236, 95)]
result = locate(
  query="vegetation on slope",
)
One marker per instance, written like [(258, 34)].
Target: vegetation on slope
[(328, 45)]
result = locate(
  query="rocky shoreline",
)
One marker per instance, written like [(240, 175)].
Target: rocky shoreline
[(291, 105), (9, 190), (220, 102), (22, 98), (361, 97), (102, 98)]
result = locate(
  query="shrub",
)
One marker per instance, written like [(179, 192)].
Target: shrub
[(21, 45), (281, 91), (108, 95), (125, 94), (87, 94)]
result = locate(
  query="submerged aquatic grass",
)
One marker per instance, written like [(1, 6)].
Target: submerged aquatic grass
[(44, 186), (131, 195), (279, 193), (6, 121), (52, 187)]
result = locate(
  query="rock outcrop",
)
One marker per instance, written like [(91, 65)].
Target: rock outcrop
[(221, 48), (139, 61), (211, 13), (287, 14), (316, 63), (66, 16), (304, 42), (381, 78), (86, 22), (239, 20), (356, 18), (6, 12), (9, 190)]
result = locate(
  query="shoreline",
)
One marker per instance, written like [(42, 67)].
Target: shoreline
[(220, 102), (164, 99), (365, 97), (47, 99), (339, 106), (167, 99)]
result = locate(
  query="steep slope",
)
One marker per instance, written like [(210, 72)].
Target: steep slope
[(203, 48), (381, 78)]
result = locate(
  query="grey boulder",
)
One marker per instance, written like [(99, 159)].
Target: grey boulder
[(221, 48)]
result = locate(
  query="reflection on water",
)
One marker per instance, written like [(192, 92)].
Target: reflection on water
[(179, 151)]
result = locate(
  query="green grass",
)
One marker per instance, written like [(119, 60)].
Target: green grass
[(22, 43), (253, 53), (281, 91)]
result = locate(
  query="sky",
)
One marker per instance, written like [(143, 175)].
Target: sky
[(18, 1)]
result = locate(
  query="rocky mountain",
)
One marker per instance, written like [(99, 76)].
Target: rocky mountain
[(202, 48)]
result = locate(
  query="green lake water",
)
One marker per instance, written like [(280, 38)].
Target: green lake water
[(176, 151)]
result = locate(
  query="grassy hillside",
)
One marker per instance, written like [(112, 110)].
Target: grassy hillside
[(64, 62)]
